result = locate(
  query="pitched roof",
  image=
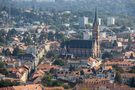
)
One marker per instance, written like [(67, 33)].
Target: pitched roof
[(97, 84), (7, 88), (28, 87), (24, 87), (54, 88), (86, 44)]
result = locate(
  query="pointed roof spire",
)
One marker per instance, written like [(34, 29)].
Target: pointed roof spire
[(95, 23)]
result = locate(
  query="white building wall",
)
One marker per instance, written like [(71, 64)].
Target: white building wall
[(100, 21), (83, 21), (86, 35), (110, 21)]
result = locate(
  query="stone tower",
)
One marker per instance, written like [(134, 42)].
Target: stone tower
[(95, 37)]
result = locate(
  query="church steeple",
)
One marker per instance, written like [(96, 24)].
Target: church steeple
[(95, 23), (95, 35)]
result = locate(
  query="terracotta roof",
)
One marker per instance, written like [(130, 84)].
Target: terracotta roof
[(7, 88), (92, 60), (24, 87), (108, 67), (38, 73), (54, 88), (97, 85), (120, 63), (28, 87), (47, 67), (96, 80)]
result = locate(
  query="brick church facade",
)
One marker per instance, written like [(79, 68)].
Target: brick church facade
[(84, 48)]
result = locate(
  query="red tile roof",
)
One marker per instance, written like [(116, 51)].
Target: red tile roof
[(24, 87)]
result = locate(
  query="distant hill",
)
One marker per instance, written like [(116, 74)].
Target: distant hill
[(126, 7), (106, 6)]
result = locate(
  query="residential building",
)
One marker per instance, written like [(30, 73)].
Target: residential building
[(83, 21), (110, 21)]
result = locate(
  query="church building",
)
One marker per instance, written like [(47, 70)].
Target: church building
[(84, 48)]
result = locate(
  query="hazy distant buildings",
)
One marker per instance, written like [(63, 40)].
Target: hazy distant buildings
[(59, 1), (110, 21), (83, 21), (100, 21), (86, 35)]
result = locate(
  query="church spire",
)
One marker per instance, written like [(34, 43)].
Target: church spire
[(96, 36), (95, 23)]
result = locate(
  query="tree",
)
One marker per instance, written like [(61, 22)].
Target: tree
[(2, 64), (132, 82), (58, 62), (43, 36), (71, 68), (17, 51), (48, 82), (132, 70), (7, 83), (3, 69), (118, 78), (27, 40), (118, 69), (50, 36), (115, 43), (7, 52), (2, 36), (11, 32), (50, 54), (107, 55), (52, 70), (60, 36), (82, 72)]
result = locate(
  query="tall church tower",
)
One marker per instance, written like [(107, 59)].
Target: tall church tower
[(95, 37)]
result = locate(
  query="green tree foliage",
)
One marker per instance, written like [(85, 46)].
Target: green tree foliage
[(6, 52), (58, 62), (82, 72), (132, 70), (43, 36), (7, 83), (3, 69), (2, 36), (48, 82), (28, 40), (17, 51), (107, 55), (118, 78), (115, 43), (60, 36), (50, 36), (52, 71), (118, 69), (71, 68), (132, 82), (50, 54), (2, 64), (11, 33)]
